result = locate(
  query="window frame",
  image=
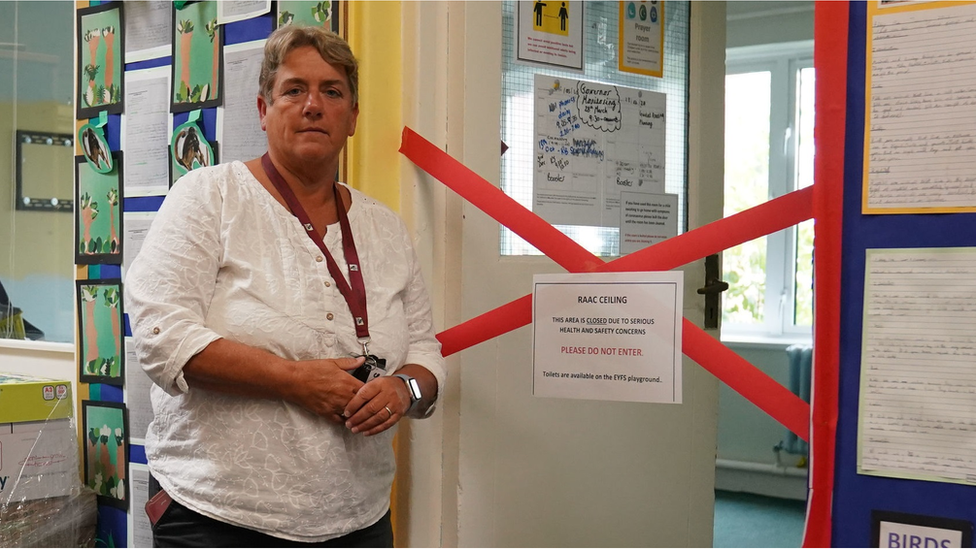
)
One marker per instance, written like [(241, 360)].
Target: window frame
[(784, 62)]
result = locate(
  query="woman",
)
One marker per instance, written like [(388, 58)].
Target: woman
[(251, 325)]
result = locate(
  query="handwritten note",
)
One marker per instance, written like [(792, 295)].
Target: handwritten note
[(920, 134), (592, 142), (918, 384)]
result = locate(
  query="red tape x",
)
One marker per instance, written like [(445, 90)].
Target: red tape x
[(722, 362)]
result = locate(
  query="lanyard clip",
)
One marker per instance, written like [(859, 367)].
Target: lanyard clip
[(365, 344)]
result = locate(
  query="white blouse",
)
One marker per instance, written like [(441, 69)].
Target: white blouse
[(224, 259)]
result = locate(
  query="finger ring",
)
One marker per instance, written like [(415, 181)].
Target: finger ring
[(389, 411)]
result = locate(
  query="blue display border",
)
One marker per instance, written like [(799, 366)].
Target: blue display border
[(857, 496)]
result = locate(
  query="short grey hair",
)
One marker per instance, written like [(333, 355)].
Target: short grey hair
[(333, 49)]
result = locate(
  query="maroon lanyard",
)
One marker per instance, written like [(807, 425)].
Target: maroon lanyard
[(355, 295)]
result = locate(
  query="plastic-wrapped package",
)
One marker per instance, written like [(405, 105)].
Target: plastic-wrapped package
[(42, 500), (65, 521)]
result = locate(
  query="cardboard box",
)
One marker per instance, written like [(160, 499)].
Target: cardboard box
[(38, 459), (25, 398), (38, 442)]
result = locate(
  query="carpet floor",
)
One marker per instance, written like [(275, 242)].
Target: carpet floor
[(749, 520)]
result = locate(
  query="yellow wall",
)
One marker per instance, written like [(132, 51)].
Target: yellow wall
[(373, 32), (374, 163)]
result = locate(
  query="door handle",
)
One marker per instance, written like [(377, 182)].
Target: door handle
[(714, 285)]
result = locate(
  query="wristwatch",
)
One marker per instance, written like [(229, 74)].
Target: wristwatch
[(413, 387)]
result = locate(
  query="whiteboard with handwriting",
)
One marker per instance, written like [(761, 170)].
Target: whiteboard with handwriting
[(920, 127), (593, 141), (917, 413)]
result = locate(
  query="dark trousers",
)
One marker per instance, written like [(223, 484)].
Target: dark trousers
[(182, 527)]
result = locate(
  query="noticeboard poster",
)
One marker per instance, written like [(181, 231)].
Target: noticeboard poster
[(592, 142)]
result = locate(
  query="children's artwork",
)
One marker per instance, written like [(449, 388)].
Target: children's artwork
[(96, 149), (100, 54), (100, 353), (106, 433), (190, 149), (319, 14), (197, 57), (98, 216)]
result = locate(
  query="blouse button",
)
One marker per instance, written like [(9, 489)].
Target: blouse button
[(318, 259), (330, 316), (156, 331), (328, 284)]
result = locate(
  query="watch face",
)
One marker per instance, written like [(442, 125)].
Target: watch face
[(414, 389)]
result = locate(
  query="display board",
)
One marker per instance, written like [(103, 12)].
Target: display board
[(165, 114), (905, 421)]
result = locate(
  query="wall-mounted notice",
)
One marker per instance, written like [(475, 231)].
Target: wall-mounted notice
[(920, 127), (592, 142), (238, 124), (136, 226), (902, 530), (139, 530), (550, 34), (641, 40), (146, 124), (607, 336), (148, 29), (136, 393), (645, 219), (228, 12), (918, 385)]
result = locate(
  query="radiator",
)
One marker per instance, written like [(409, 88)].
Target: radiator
[(800, 358)]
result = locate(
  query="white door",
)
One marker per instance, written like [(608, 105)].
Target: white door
[(553, 472)]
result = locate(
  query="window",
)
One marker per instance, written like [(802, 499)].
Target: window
[(769, 114), (36, 260), (600, 36)]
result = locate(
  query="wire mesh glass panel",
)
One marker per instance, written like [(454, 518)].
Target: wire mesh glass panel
[(600, 27)]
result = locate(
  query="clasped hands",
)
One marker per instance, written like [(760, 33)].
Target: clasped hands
[(326, 387)]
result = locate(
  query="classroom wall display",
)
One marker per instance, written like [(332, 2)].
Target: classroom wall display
[(98, 216), (197, 57), (100, 353), (185, 41), (302, 12), (100, 47), (106, 431), (892, 412)]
